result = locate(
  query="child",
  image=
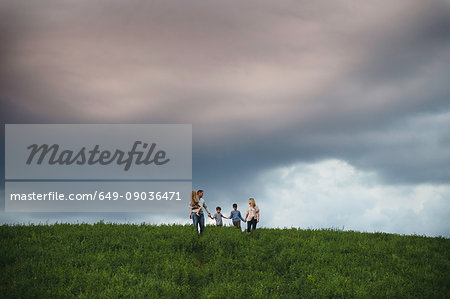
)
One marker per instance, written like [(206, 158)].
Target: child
[(236, 217), (195, 207), (218, 216)]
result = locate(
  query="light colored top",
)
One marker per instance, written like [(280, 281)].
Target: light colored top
[(218, 217), (202, 204), (252, 212), (192, 207)]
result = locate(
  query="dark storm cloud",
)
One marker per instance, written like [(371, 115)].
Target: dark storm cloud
[(398, 90), (264, 83)]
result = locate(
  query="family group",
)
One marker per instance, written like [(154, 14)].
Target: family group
[(197, 204)]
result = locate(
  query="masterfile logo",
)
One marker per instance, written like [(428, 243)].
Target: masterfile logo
[(88, 151), (94, 156)]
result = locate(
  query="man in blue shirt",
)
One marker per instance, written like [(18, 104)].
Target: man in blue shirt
[(236, 216)]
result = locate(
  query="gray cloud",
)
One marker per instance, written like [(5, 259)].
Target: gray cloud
[(332, 193)]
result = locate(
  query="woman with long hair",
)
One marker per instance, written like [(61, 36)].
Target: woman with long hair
[(194, 206), (252, 215)]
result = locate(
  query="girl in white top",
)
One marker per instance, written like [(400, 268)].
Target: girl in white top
[(252, 215)]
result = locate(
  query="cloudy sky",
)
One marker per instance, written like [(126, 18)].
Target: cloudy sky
[(330, 113)]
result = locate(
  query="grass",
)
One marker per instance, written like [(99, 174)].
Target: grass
[(117, 260)]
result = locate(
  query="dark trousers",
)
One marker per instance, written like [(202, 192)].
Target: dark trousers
[(237, 224), (250, 224), (198, 220)]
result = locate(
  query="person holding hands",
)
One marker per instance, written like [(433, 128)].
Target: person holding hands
[(236, 217), (197, 215), (252, 215), (218, 216)]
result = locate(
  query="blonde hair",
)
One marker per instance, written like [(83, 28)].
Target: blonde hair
[(194, 198), (252, 200)]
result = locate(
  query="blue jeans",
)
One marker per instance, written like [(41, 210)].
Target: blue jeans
[(199, 220), (251, 223)]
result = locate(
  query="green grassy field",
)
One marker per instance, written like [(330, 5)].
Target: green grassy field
[(112, 260)]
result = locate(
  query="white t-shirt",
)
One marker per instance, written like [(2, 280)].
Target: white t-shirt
[(252, 212)]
